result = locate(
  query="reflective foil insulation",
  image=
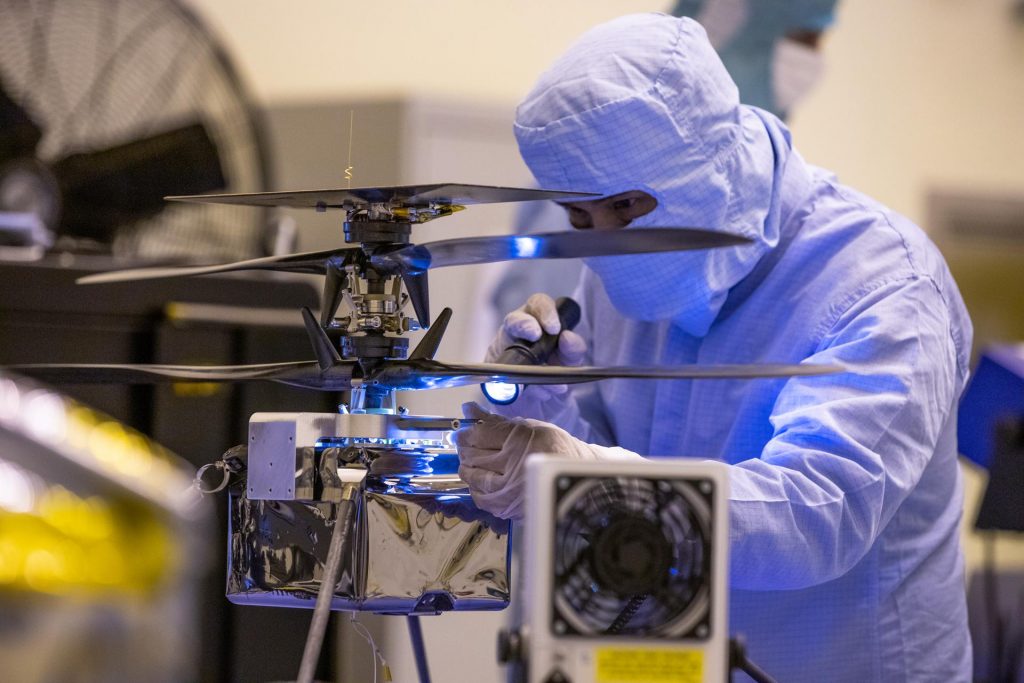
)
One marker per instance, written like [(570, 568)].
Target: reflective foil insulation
[(419, 545)]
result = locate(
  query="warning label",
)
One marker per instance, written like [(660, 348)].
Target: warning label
[(648, 665)]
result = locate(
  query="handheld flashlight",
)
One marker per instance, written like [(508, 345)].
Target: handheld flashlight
[(530, 353)]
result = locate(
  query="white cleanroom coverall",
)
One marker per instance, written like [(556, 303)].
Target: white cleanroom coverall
[(845, 489)]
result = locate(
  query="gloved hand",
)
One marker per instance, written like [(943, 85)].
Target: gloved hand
[(493, 455), (529, 321)]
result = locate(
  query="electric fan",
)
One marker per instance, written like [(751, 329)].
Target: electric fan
[(632, 558), (626, 572), (106, 106)]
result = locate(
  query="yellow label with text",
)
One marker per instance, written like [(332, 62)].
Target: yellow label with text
[(648, 665)]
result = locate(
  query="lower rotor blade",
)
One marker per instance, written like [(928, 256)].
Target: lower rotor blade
[(411, 375), (309, 262), (301, 373), (555, 245)]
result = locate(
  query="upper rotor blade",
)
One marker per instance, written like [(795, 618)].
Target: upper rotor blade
[(309, 262), (395, 196), (436, 374), (575, 244)]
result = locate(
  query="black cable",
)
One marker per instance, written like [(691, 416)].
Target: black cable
[(991, 588), (738, 659), (418, 648)]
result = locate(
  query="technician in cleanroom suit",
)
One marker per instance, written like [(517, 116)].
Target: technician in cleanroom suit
[(845, 490)]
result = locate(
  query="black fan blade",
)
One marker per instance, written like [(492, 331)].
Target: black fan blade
[(308, 262), (576, 244), (416, 285), (427, 347), (19, 133), (395, 196), (300, 373), (419, 374), (104, 189), (326, 355)]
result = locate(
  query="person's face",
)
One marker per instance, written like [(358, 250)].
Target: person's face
[(610, 213)]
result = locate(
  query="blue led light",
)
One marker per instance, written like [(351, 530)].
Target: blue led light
[(525, 247), (500, 393)]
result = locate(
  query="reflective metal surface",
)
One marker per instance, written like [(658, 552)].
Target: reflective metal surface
[(418, 544), (427, 552)]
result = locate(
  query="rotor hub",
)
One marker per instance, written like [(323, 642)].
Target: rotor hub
[(387, 232), (374, 346)]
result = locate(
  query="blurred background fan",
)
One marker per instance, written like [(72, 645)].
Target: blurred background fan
[(108, 105)]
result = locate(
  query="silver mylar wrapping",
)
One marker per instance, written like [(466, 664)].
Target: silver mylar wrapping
[(419, 545)]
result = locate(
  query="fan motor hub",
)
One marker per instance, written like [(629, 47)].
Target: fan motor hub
[(631, 555)]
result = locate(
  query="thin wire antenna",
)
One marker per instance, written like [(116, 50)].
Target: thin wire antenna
[(348, 168)]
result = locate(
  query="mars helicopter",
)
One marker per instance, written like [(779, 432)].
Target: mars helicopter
[(365, 348)]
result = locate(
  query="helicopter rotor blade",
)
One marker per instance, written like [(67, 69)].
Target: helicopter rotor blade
[(326, 355), (105, 373), (395, 195), (417, 374), (427, 347), (412, 374), (309, 262), (419, 294), (418, 258)]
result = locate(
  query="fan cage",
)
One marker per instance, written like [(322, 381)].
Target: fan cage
[(680, 603), (97, 73)]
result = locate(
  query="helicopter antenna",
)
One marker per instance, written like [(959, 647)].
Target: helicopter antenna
[(348, 167)]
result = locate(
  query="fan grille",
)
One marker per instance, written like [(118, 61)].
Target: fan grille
[(97, 73), (632, 557)]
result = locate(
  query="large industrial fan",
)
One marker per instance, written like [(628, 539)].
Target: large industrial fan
[(106, 106)]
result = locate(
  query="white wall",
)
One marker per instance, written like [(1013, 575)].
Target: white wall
[(917, 92), (920, 93), (346, 48)]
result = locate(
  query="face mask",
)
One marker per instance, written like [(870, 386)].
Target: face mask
[(687, 287), (796, 69)]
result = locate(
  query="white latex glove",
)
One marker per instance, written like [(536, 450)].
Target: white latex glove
[(528, 322), (493, 454)]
